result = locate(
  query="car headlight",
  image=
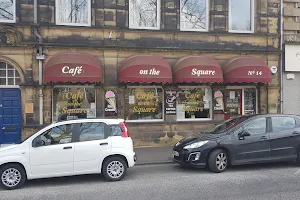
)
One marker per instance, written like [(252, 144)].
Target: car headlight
[(195, 145)]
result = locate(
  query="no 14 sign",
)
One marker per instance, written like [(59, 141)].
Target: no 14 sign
[(255, 73)]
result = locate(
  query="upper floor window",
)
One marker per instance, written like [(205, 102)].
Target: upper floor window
[(144, 14), (73, 12), (241, 16), (194, 15), (8, 11)]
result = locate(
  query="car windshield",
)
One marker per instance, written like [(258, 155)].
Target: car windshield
[(230, 123)]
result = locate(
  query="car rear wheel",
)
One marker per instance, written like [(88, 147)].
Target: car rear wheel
[(218, 161), (114, 168), (12, 176)]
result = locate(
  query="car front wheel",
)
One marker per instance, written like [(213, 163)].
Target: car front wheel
[(12, 176), (218, 161), (114, 168)]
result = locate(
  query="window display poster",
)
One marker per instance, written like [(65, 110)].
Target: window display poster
[(193, 103), (110, 104), (170, 102), (219, 100), (144, 103), (73, 103)]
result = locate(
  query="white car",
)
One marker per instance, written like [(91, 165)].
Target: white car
[(74, 147)]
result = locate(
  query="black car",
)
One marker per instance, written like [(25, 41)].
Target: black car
[(242, 140)]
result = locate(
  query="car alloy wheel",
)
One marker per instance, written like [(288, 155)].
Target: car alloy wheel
[(221, 161), (217, 160), (115, 169), (12, 176)]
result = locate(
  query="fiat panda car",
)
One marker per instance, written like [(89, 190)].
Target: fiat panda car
[(74, 147)]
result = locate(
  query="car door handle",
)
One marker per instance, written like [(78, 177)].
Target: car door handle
[(296, 132), (105, 143), (263, 137), (67, 147)]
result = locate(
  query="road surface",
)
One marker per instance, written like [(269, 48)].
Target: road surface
[(169, 181)]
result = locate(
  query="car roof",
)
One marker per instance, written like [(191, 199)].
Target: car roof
[(268, 115), (104, 120)]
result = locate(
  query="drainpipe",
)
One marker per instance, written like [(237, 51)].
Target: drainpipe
[(281, 56), (39, 56)]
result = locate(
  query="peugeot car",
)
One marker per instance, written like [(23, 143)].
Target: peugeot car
[(242, 140)]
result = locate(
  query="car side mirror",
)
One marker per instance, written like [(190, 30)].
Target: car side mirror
[(243, 134), (37, 142)]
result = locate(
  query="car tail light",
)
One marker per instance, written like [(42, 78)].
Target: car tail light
[(124, 129)]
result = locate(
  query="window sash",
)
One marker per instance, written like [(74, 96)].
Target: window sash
[(251, 18), (10, 74), (13, 10), (183, 23), (59, 12), (158, 16)]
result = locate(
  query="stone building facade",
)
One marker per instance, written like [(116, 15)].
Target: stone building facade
[(291, 45), (169, 71)]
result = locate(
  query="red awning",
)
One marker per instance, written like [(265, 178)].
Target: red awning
[(197, 69), (247, 70), (73, 67), (145, 69)]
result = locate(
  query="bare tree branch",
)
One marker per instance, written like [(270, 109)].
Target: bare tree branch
[(6, 9), (193, 14)]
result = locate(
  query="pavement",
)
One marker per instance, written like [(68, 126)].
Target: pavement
[(170, 182), (153, 155)]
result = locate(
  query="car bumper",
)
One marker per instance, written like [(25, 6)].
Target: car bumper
[(194, 158), (131, 158)]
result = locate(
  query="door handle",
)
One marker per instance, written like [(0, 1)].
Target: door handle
[(296, 132), (263, 137), (67, 147), (105, 143)]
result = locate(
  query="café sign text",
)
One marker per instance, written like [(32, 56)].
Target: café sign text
[(199, 72), (152, 71), (254, 73), (72, 70)]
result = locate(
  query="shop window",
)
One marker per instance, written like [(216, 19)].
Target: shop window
[(9, 75), (144, 14), (249, 101), (193, 103), (241, 16), (240, 102), (8, 11), (73, 103), (144, 104), (73, 12), (194, 15)]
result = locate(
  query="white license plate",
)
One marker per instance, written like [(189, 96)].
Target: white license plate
[(175, 153)]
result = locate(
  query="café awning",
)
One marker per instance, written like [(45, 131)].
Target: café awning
[(197, 69), (145, 69), (247, 70), (73, 67)]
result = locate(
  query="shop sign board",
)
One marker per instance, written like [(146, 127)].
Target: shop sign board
[(170, 102)]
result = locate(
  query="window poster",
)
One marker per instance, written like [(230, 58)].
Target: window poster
[(110, 104)]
